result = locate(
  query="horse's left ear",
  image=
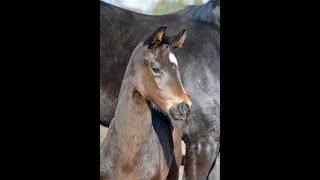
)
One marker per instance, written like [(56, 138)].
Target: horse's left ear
[(157, 37), (178, 40)]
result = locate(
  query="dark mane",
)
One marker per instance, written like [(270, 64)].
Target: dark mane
[(209, 12)]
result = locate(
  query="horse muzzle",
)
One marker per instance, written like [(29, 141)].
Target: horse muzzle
[(182, 113)]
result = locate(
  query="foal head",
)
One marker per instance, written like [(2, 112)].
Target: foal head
[(156, 73)]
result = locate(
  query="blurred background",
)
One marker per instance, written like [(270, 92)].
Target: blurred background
[(154, 7)]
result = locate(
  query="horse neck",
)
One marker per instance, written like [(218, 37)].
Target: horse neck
[(132, 113)]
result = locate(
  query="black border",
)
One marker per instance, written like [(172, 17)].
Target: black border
[(52, 96), (268, 90)]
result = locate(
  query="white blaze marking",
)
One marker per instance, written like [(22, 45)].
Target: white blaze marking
[(173, 59), (182, 87)]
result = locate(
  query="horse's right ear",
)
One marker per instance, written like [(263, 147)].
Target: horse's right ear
[(178, 40), (156, 38)]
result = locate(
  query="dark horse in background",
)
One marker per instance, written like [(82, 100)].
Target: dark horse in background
[(199, 64)]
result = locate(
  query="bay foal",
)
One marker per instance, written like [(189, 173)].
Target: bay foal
[(144, 137)]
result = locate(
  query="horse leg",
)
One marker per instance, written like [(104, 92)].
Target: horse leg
[(200, 156), (177, 151), (215, 172), (174, 170)]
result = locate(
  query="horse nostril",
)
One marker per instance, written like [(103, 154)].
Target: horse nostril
[(181, 112), (184, 108)]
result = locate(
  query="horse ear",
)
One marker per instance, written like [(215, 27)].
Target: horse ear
[(157, 37), (178, 40)]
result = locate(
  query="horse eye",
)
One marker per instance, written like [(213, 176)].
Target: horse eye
[(156, 70)]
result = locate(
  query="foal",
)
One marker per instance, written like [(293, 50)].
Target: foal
[(144, 137)]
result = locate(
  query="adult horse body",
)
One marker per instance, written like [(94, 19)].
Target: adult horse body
[(143, 139), (199, 68)]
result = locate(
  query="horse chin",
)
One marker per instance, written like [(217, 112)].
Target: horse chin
[(176, 115), (158, 108), (170, 113)]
